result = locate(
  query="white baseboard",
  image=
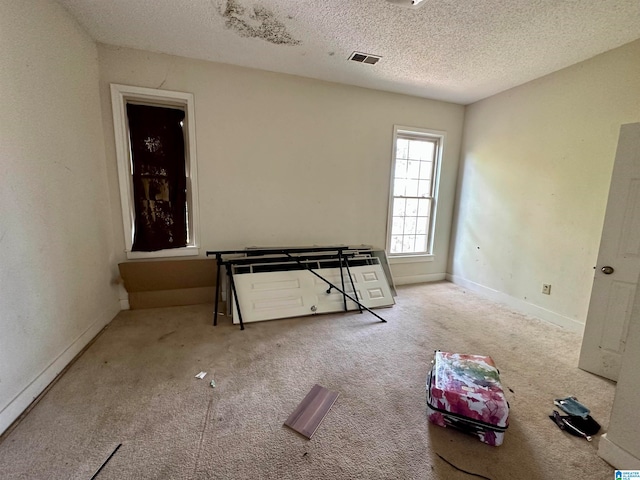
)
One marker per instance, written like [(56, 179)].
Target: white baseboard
[(619, 458), (519, 305), (124, 298), (10, 412), (409, 279)]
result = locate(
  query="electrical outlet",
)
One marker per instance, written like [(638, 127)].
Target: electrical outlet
[(546, 289)]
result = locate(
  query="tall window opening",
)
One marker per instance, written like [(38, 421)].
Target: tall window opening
[(155, 144), (414, 182)]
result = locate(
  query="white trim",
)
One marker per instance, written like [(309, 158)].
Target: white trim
[(440, 136), (618, 457), (424, 278), (173, 252), (124, 304), (519, 305), (123, 296), (120, 94), (410, 259), (12, 410)]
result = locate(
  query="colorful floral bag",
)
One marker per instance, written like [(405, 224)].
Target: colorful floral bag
[(464, 392)]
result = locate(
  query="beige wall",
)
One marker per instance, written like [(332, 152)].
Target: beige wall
[(535, 172), (534, 179), (56, 261), (284, 160)]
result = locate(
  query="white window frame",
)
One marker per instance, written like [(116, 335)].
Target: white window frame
[(439, 137), (120, 95)]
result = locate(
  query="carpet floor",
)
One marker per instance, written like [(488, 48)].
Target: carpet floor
[(136, 386)]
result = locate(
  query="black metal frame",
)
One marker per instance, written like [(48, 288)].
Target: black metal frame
[(342, 253)]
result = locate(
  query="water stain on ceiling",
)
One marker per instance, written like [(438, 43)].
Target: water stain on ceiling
[(256, 22)]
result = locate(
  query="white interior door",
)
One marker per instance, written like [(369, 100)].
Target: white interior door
[(371, 288), (269, 295), (618, 268), (295, 293)]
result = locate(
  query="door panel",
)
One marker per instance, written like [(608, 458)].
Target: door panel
[(621, 296), (294, 293), (630, 241), (613, 294), (269, 295)]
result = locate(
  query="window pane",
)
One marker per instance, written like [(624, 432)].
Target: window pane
[(400, 187), (421, 149), (401, 169), (399, 207), (396, 244), (424, 207), (427, 153), (425, 170), (413, 170), (422, 224), (412, 188), (410, 225), (421, 243), (424, 188), (415, 149), (397, 226), (402, 148), (412, 207), (408, 243)]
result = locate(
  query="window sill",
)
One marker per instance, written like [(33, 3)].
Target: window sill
[(410, 259), (173, 252)]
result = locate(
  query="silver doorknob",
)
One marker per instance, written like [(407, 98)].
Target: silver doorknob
[(607, 270)]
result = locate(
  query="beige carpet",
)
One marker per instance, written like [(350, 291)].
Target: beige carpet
[(135, 386)]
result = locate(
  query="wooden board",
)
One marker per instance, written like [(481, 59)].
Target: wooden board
[(306, 418)]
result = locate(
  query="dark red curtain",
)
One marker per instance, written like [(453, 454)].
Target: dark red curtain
[(159, 177)]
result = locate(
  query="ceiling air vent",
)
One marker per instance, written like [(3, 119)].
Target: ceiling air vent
[(364, 58)]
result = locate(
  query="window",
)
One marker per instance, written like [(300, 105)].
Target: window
[(414, 183), (155, 148)]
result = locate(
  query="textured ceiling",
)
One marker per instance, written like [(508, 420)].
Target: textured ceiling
[(453, 50)]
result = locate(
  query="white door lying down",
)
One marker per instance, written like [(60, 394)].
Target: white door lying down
[(294, 293)]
